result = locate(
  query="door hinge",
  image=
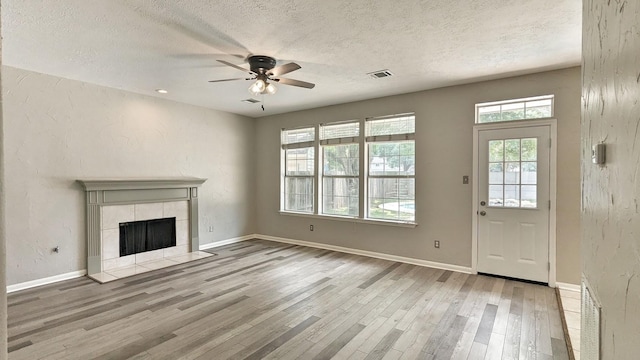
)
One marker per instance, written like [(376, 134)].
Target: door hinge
[(549, 266), (549, 204)]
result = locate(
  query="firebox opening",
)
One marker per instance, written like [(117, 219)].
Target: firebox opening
[(141, 236)]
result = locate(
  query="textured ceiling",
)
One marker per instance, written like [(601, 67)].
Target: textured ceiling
[(142, 45)]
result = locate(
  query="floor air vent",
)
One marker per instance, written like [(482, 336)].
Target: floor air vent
[(590, 326)]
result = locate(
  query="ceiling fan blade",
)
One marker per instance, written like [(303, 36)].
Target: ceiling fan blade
[(283, 69), (235, 66), (214, 81), (297, 83)]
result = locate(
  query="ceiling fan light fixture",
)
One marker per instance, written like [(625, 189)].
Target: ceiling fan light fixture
[(270, 89), (257, 87)]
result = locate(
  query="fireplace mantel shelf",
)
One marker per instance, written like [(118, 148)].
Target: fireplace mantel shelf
[(140, 183)]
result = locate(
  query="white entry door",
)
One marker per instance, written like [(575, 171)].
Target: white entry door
[(514, 202)]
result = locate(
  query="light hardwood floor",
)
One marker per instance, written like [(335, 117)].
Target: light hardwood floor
[(266, 300)]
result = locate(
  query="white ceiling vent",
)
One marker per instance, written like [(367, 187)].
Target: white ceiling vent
[(380, 74), (250, 101)]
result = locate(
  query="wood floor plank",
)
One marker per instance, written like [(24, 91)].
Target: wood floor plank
[(330, 350), (379, 276), (259, 299), (463, 346), (511, 348), (446, 348), (486, 325), (282, 339), (528, 348), (495, 346), (383, 347)]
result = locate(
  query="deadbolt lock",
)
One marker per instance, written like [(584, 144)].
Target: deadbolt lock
[(483, 203)]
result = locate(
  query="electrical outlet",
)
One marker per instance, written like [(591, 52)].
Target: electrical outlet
[(436, 244), (210, 228), (310, 227)]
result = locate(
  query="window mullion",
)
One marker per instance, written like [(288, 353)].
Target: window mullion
[(362, 172), (317, 160)]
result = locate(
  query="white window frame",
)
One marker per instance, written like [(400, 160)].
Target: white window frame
[(363, 175), (386, 139), (502, 103), (283, 167), (350, 140)]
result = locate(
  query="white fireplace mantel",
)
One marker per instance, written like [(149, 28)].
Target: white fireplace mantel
[(106, 192)]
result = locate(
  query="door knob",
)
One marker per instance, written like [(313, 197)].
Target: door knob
[(483, 213)]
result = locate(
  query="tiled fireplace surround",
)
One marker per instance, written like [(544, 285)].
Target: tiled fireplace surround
[(112, 216), (114, 201)]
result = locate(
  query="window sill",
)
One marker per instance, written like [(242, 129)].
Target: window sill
[(351, 219)]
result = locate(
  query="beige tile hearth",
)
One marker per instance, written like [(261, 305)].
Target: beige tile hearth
[(157, 264), (127, 271), (190, 257), (130, 270)]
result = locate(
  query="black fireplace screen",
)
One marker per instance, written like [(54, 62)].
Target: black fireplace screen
[(141, 236)]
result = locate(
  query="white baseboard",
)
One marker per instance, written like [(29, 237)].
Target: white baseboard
[(377, 255), (46, 281), (568, 287), (81, 273), (216, 244)]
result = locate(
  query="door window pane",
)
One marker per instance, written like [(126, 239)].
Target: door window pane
[(529, 149), (512, 196), (496, 195), (512, 180), (529, 196), (496, 150), (512, 173), (529, 173), (496, 174), (512, 150)]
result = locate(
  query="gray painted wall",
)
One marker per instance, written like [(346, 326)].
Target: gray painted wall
[(59, 130), (444, 123), (611, 194)]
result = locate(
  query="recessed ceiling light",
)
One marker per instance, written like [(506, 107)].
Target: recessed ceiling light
[(161, 91)]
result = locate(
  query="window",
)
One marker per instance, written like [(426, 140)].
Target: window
[(391, 168), (340, 169), (299, 165), (513, 173), (366, 169), (518, 109)]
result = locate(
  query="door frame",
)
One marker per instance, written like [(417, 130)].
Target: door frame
[(553, 156)]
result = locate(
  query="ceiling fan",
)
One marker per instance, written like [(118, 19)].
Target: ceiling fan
[(264, 71)]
